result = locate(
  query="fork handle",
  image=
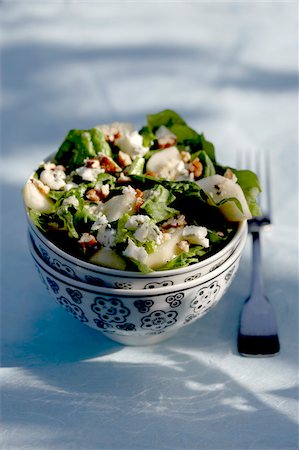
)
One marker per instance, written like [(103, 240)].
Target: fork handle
[(257, 282)]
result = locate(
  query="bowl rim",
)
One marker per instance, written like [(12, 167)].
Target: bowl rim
[(233, 243), (232, 259)]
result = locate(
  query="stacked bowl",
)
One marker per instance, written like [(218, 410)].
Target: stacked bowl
[(133, 308)]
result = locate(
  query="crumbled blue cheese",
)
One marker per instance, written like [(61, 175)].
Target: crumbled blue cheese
[(132, 144), (71, 201), (70, 185), (130, 191), (135, 221), (135, 252), (148, 232), (101, 222), (146, 229), (106, 236), (182, 172), (54, 178), (196, 235), (173, 169), (89, 173)]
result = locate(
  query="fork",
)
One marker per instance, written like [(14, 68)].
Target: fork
[(258, 332)]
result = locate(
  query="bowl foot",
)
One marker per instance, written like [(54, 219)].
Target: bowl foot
[(139, 340)]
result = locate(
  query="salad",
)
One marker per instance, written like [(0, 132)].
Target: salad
[(152, 199)]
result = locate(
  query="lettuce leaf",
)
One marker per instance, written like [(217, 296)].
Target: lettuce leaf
[(190, 200), (250, 185), (207, 163), (99, 142), (186, 136), (39, 219), (122, 233), (141, 267), (167, 117), (73, 218), (137, 166), (156, 205), (208, 147), (183, 187), (80, 145), (148, 136), (67, 219), (104, 178)]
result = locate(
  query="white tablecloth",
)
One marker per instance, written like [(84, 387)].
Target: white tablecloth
[(230, 69)]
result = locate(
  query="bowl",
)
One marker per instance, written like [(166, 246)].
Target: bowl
[(80, 270), (139, 316)]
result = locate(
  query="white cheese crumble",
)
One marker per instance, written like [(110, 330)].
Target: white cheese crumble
[(146, 229), (132, 144), (89, 173), (48, 165), (196, 235), (55, 178), (172, 169), (135, 252), (101, 222), (71, 201), (182, 172), (70, 185), (106, 236), (129, 190), (135, 221), (148, 232)]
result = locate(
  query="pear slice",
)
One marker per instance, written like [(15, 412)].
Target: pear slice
[(165, 163), (35, 199), (108, 258), (117, 206), (165, 252), (220, 188)]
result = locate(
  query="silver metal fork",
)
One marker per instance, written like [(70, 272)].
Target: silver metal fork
[(258, 332)]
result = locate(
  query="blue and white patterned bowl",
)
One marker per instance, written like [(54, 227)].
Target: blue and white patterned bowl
[(80, 270), (138, 317)]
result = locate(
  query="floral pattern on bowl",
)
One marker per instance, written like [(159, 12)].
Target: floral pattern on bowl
[(137, 317)]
